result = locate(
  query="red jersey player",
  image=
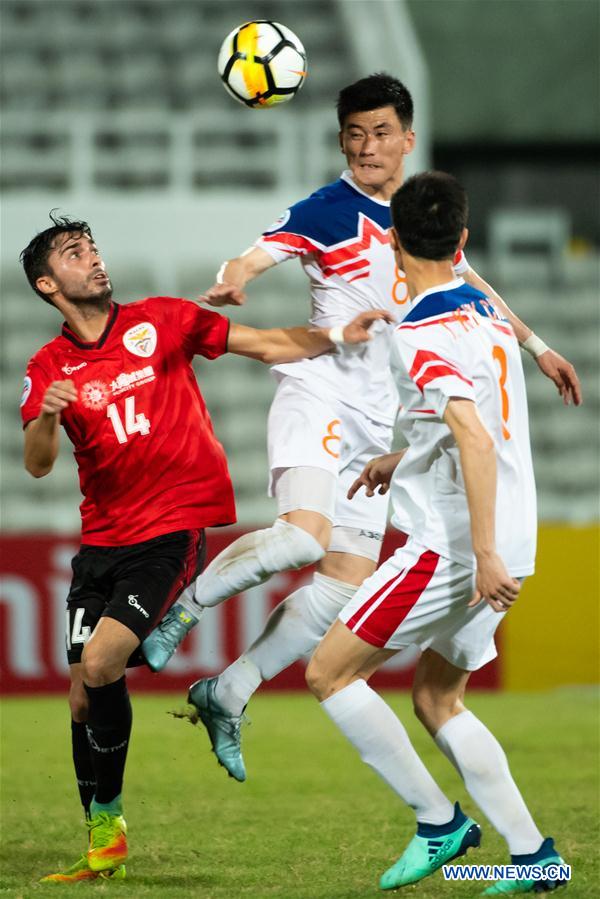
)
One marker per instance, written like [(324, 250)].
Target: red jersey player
[(152, 474)]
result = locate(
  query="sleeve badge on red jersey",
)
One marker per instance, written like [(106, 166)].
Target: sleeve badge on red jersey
[(26, 390), (141, 339)]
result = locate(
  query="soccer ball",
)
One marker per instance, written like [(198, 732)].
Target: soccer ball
[(262, 63)]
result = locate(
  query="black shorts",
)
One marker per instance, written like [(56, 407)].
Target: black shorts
[(135, 584)]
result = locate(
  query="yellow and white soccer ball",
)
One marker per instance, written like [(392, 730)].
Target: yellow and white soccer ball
[(262, 64)]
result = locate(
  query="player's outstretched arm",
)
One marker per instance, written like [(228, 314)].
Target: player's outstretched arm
[(551, 363), (42, 434), (478, 463), (276, 345), (234, 275)]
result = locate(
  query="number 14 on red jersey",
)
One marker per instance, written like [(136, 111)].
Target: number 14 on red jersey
[(135, 423)]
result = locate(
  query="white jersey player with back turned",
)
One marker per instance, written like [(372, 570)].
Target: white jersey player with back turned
[(464, 493), (328, 417)]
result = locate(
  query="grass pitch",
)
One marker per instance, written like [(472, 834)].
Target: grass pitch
[(312, 822)]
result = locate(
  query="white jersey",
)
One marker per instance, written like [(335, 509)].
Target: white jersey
[(455, 344), (342, 237)]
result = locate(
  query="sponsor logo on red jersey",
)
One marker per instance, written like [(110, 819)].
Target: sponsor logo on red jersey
[(95, 395), (128, 379), (69, 369)]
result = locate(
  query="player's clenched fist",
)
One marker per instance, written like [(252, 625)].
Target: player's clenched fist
[(357, 331), (58, 396)]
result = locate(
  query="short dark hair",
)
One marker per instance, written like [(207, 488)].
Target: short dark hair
[(34, 258), (429, 213), (373, 92)]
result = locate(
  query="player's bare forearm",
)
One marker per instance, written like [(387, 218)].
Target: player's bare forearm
[(234, 275), (522, 331), (277, 345), (554, 366), (478, 463), (41, 444), (42, 434)]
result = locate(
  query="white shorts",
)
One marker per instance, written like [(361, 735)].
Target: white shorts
[(307, 430), (418, 597)]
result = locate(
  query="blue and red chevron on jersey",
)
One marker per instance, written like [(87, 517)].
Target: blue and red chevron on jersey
[(337, 225)]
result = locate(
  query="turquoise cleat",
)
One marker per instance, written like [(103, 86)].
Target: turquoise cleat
[(546, 855), (430, 848), (223, 728), (161, 643)]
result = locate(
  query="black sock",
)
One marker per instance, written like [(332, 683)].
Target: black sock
[(108, 730), (82, 760)]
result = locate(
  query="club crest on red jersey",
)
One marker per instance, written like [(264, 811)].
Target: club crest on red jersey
[(141, 339), (94, 395)]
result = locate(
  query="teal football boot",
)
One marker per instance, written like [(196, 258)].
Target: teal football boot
[(431, 847), (546, 855), (161, 643), (223, 728)]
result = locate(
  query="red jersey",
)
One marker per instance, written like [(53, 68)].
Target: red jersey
[(149, 462)]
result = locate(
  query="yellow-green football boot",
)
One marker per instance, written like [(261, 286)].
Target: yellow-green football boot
[(81, 871), (108, 841)]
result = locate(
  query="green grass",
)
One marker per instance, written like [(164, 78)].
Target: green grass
[(311, 821)]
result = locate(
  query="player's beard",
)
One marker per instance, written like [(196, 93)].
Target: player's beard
[(90, 303)]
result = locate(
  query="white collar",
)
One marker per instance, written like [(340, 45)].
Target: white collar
[(450, 285), (347, 177)]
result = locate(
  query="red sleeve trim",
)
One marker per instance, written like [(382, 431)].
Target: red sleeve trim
[(428, 366), (294, 241)]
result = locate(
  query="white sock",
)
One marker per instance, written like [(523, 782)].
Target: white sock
[(187, 599), (482, 764), (237, 684), (380, 738), (253, 558), (293, 629)]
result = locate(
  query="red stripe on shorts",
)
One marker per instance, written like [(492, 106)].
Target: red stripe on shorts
[(186, 574), (385, 617)]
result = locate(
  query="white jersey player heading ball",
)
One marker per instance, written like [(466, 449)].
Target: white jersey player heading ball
[(329, 416)]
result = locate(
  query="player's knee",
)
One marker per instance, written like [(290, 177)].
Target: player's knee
[(434, 707), (97, 668), (322, 680), (431, 707), (317, 680), (288, 546)]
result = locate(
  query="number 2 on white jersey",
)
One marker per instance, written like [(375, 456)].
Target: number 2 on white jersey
[(134, 424)]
